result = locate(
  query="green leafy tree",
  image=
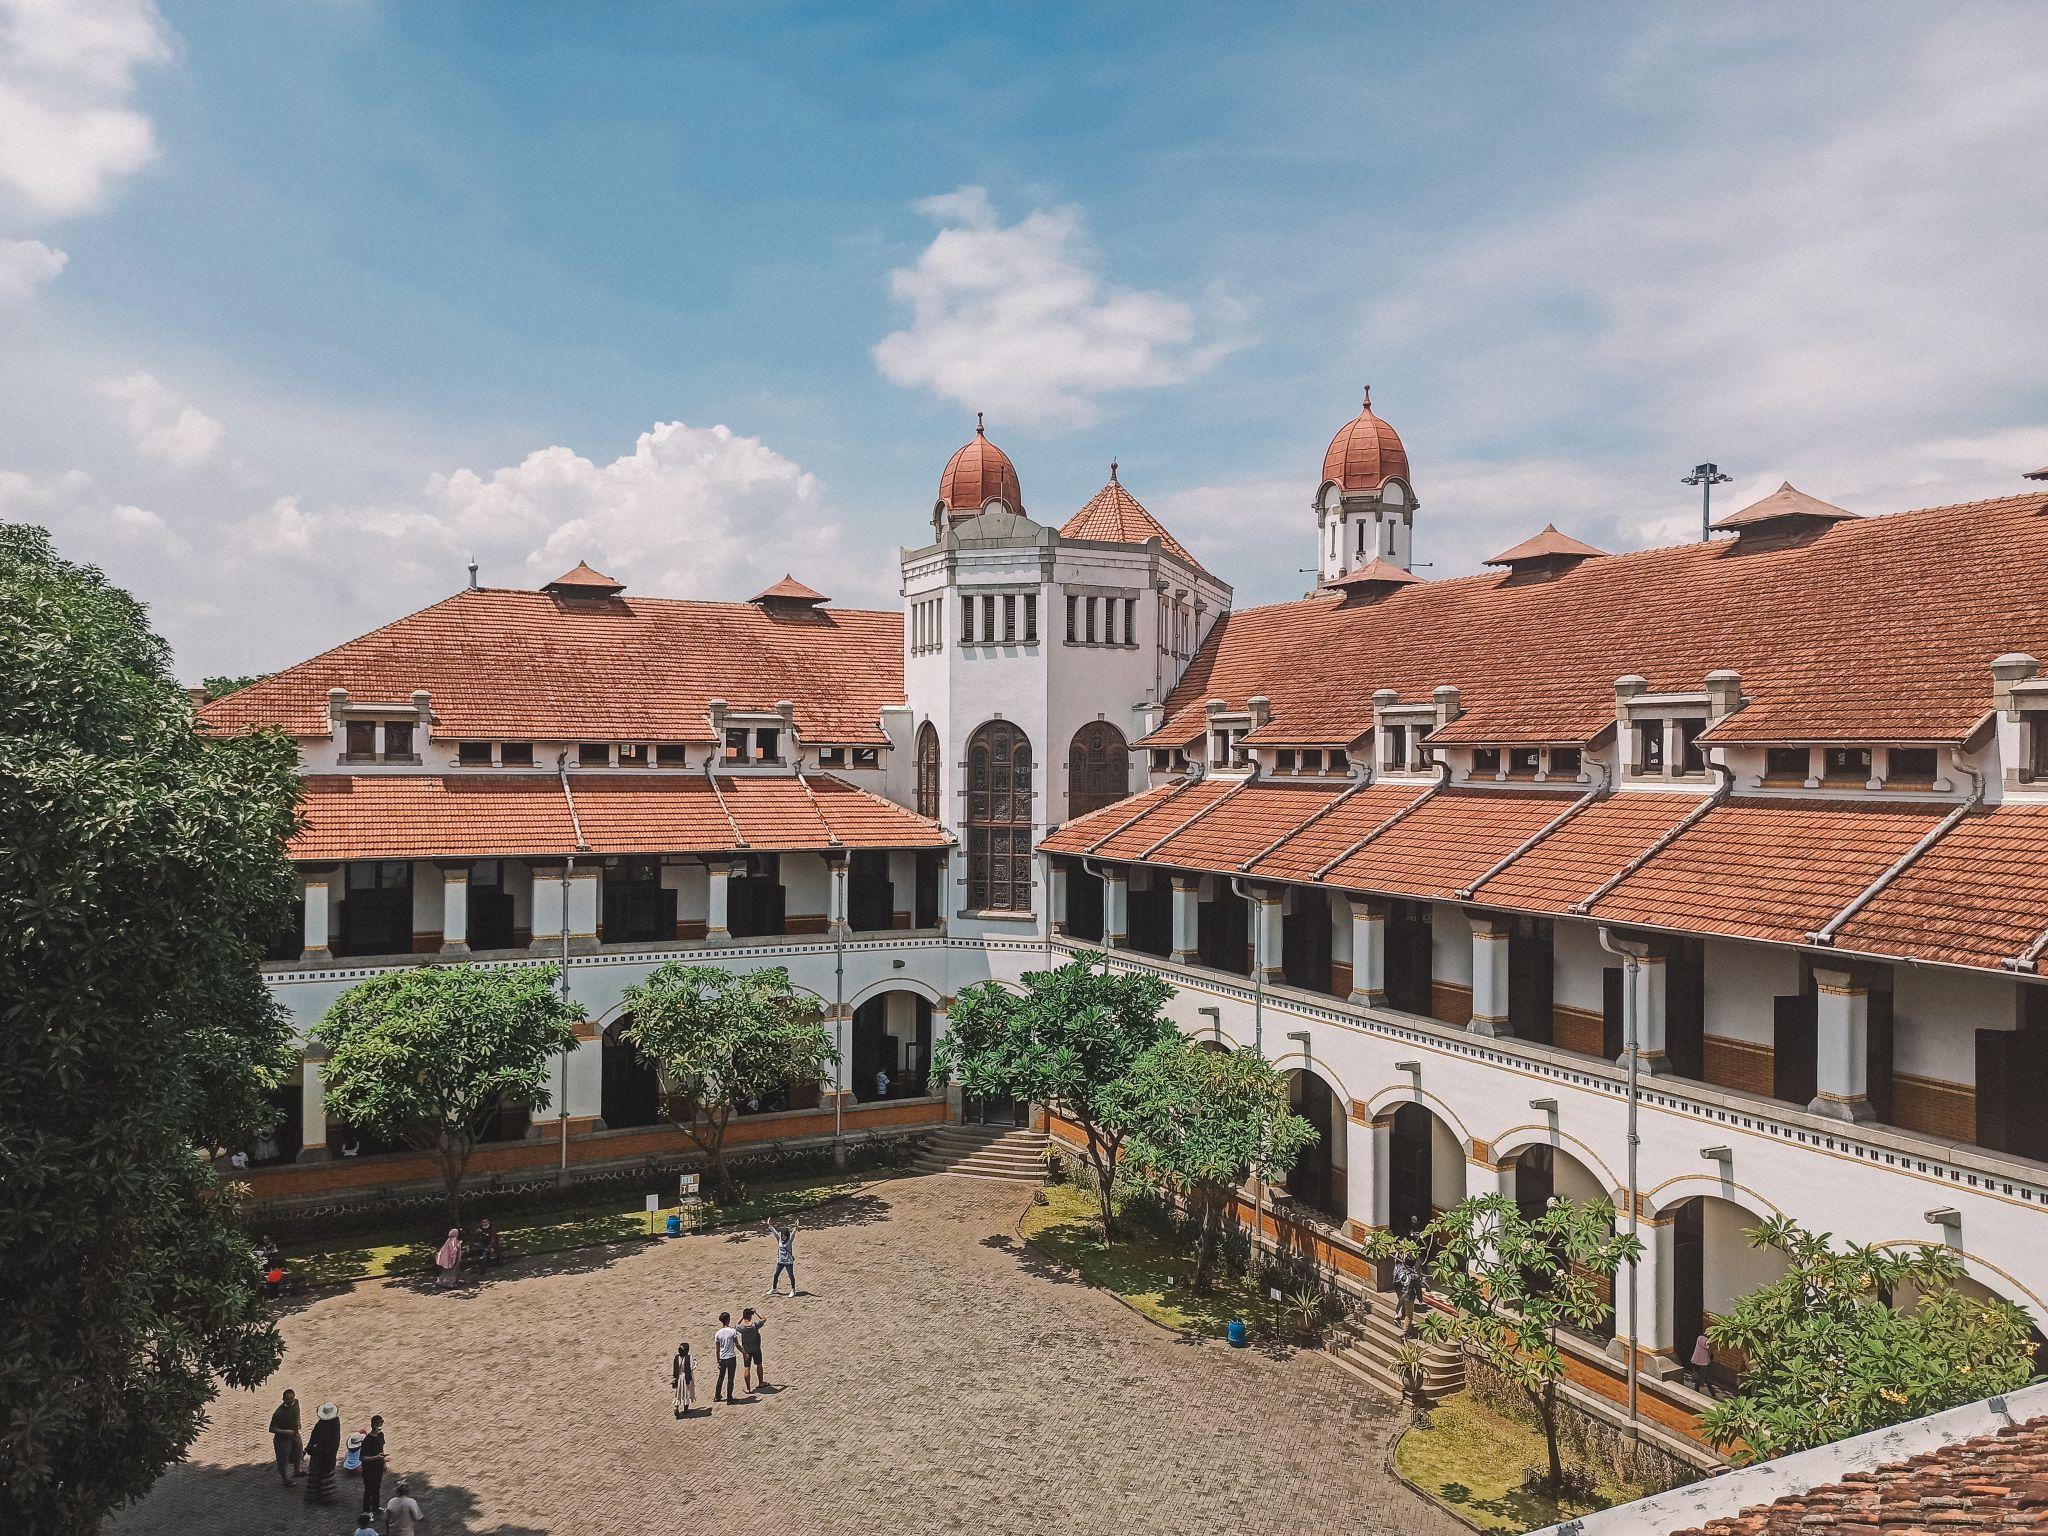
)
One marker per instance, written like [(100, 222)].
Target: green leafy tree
[(221, 687), (1198, 1122), (431, 1055), (718, 1038), (1515, 1281), (1832, 1353), (139, 863), (1067, 1040)]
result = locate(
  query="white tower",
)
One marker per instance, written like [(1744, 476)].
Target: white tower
[(1365, 507)]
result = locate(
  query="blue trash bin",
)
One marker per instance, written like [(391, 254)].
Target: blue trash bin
[(1236, 1332), (675, 1224)]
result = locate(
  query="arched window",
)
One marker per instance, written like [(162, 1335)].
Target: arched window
[(999, 819), (928, 771), (1098, 768)]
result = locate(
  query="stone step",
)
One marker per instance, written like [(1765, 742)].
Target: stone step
[(1021, 1141), (1020, 1158), (1388, 1378)]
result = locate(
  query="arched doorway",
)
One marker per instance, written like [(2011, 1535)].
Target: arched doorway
[(1543, 1172), (999, 819), (1411, 1170), (1098, 768), (889, 1054), (631, 1092), (1713, 1267), (928, 771), (1317, 1178)]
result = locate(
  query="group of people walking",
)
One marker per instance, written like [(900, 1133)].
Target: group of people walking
[(315, 1456), (737, 1346)]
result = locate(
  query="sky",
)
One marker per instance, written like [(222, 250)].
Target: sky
[(304, 306)]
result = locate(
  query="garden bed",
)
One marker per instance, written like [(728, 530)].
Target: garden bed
[(1473, 1461)]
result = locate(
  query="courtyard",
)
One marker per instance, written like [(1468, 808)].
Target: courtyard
[(932, 1375)]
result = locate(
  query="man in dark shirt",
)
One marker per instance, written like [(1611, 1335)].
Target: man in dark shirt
[(750, 1349), (373, 1464), (284, 1436)]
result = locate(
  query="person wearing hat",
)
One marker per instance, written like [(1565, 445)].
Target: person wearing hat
[(402, 1516), (322, 1446)]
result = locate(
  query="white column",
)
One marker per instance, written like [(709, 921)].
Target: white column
[(1266, 914), (1489, 974), (1368, 951), (1059, 897), (583, 888), (586, 1075), (547, 909), (454, 909), (1382, 1181), (1362, 1172), (313, 1113), (1650, 1027), (837, 872), (1654, 1281), (1116, 908), (317, 881), (1187, 907), (717, 912), (1841, 1070)]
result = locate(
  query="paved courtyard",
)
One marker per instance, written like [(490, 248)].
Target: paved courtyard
[(932, 1376)]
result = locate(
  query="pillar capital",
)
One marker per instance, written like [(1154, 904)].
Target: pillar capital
[(1184, 881), (451, 868)]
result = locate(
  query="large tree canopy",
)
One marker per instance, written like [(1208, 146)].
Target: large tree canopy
[(1067, 1040), (718, 1038), (140, 863), (1855, 1339), (433, 1054)]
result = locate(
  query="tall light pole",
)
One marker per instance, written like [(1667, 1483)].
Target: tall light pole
[(1706, 477)]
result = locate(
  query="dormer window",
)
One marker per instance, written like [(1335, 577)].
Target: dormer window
[(1910, 765), (1394, 749), (1566, 762), (1224, 748), (1312, 760), (1340, 760), (831, 757), (360, 740), (2038, 756), (397, 741), (1485, 762), (866, 757), (1283, 760), (1524, 762), (671, 754), (473, 754), (736, 744), (1788, 763), (515, 754), (1847, 765), (1650, 747), (632, 756), (1692, 757), (594, 754)]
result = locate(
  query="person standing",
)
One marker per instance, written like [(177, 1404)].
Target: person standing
[(449, 1260), (727, 1341), (322, 1446), (683, 1379), (1696, 1366), (881, 1082), (373, 1464), (785, 1254), (402, 1516), (755, 1369), (284, 1437)]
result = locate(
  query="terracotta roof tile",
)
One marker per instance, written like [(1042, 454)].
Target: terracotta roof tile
[(1376, 572), (1256, 816), (1854, 635), (788, 590), (1547, 545), (530, 665), (1591, 848), (1977, 897), (584, 580), (1449, 841), (1784, 502), (419, 815), (977, 474), (1318, 840), (1113, 516)]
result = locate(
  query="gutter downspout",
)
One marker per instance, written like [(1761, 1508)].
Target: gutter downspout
[(1258, 969), (1632, 952), (1863, 898), (1599, 791), (568, 868)]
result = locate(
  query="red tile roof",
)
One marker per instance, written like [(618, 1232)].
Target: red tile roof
[(1782, 503), (583, 580), (1993, 1483), (788, 590), (1366, 452), (1319, 840), (529, 665), (1977, 897), (1595, 845), (1448, 842), (1547, 545), (1376, 572), (1854, 635), (454, 815), (1113, 516), (977, 474)]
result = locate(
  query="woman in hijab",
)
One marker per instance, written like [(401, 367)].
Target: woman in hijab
[(321, 1447), (449, 1259)]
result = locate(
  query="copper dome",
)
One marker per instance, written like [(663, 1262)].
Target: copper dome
[(978, 474), (1366, 453)]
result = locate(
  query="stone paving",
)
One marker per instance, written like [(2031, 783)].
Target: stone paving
[(933, 1375)]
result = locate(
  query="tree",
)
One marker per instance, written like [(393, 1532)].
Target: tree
[(1067, 1040), (143, 861), (221, 687), (1513, 1281), (718, 1038), (431, 1055), (1198, 1122), (1831, 1353)]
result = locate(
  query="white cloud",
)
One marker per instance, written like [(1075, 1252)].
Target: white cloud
[(164, 426), (68, 126), (25, 265), (1016, 320)]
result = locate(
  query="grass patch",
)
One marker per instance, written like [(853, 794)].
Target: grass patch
[(1472, 1459), (1148, 1272), (613, 1218)]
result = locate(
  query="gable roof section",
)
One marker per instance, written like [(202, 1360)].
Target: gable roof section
[(1573, 862), (1977, 897), (1318, 840), (1114, 516), (504, 664), (1855, 635), (453, 815), (1448, 842)]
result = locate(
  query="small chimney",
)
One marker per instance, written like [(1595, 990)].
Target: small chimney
[(337, 703), (2007, 673), (1447, 706), (1724, 694), (1261, 709), (423, 705)]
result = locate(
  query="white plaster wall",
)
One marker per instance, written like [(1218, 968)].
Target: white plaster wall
[(1731, 1268), (1576, 979), (1450, 936), (806, 884), (1447, 1165), (1936, 1016), (427, 896), (1742, 979), (519, 881)]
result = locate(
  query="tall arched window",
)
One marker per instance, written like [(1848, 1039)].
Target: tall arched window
[(1098, 768), (999, 819), (928, 771)]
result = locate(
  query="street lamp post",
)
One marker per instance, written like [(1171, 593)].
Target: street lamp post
[(1706, 477)]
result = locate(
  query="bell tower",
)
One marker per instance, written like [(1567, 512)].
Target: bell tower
[(1365, 506)]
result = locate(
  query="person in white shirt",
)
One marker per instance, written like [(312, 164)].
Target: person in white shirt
[(402, 1516), (728, 1341), (881, 1083)]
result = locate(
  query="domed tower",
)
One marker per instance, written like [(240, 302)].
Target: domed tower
[(979, 478), (1365, 507)]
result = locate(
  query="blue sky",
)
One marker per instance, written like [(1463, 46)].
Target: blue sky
[(302, 305)]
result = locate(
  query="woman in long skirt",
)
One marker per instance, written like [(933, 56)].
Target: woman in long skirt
[(685, 1380), (321, 1448), (449, 1260)]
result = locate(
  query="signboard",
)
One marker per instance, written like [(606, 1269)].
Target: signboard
[(686, 1186)]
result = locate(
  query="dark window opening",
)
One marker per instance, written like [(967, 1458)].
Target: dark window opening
[(1396, 746), (593, 754), (927, 772), (999, 819), (2037, 729), (1305, 941), (866, 757), (1149, 916), (1340, 760), (831, 757), (473, 754), (1031, 618), (1073, 616), (967, 621), (360, 739), (755, 899), (931, 873), (1410, 956), (1847, 763), (1564, 762), (1283, 760), (767, 745), (1525, 762), (490, 906), (1098, 768), (1788, 762), (1223, 932), (632, 756), (671, 755), (376, 909), (1650, 747), (1009, 619), (397, 740), (870, 894), (1911, 763), (1692, 757), (1084, 903), (638, 908), (1485, 762), (515, 754), (1312, 760), (1531, 966), (1162, 760)]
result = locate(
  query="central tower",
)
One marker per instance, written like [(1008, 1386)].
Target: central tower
[(1365, 508)]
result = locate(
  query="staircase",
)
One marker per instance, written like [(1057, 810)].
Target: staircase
[(985, 1152), (1370, 1350)]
